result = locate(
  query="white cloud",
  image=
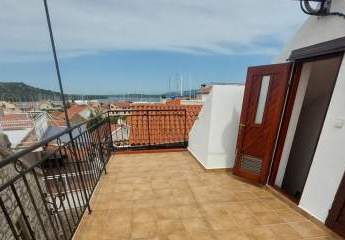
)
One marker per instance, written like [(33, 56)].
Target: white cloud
[(191, 26)]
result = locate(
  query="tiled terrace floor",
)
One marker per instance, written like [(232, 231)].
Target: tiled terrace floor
[(169, 196)]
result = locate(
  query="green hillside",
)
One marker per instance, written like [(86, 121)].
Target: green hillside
[(21, 92)]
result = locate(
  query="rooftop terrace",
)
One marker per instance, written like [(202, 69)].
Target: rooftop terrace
[(94, 186), (170, 196)]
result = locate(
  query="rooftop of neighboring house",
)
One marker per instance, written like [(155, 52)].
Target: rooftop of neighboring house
[(15, 121), (205, 89), (155, 130), (27, 105), (54, 130), (58, 118), (27, 140), (7, 104), (120, 104)]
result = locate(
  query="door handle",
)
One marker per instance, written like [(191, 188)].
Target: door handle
[(242, 125)]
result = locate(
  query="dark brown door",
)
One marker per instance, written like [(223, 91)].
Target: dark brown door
[(336, 217), (262, 106)]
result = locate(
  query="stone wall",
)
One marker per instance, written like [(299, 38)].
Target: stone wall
[(6, 174)]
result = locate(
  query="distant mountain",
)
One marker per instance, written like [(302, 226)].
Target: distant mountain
[(21, 92)]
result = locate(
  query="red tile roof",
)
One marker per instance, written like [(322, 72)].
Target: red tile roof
[(58, 118), (148, 125), (15, 121), (120, 104), (174, 102)]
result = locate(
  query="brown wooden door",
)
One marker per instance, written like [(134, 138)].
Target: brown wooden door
[(262, 106), (336, 217)]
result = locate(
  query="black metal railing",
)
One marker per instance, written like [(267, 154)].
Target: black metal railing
[(46, 188), (149, 128)]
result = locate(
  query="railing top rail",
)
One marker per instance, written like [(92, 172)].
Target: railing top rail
[(37, 145), (148, 110)]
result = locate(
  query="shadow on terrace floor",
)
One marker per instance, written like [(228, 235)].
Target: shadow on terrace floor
[(169, 196)]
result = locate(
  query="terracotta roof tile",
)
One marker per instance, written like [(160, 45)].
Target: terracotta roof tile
[(147, 125), (15, 121), (58, 118)]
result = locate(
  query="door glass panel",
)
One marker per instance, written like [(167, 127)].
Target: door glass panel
[(260, 109)]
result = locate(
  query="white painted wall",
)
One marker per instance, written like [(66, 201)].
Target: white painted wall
[(16, 136), (199, 134), (212, 139), (316, 30), (329, 160)]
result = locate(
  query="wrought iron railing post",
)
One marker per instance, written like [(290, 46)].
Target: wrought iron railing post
[(79, 171), (101, 150), (185, 129), (148, 127), (59, 185), (110, 132)]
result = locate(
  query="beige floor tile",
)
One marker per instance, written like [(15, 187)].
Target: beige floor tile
[(160, 193), (119, 215), (160, 184), (143, 230), (245, 219), (214, 210), (178, 236), (123, 187), (167, 227), (168, 196), (265, 218), (196, 225), (165, 201), (201, 236), (274, 203), (261, 233), (167, 213), (142, 186), (308, 229), (118, 230), (284, 232), (189, 211), (147, 203), (185, 200), (256, 206), (262, 193), (142, 195), (234, 234), (144, 215), (222, 223), (290, 215)]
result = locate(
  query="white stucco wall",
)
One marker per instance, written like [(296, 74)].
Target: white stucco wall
[(16, 136), (328, 164), (316, 30), (199, 134), (329, 160), (212, 139)]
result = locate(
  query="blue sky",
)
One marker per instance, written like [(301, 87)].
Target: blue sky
[(137, 46)]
